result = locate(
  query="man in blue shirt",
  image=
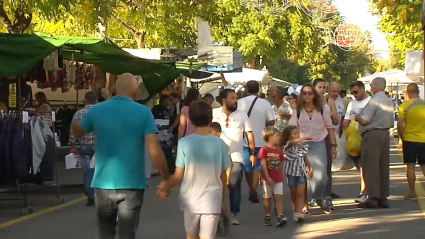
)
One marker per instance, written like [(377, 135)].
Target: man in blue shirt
[(123, 128)]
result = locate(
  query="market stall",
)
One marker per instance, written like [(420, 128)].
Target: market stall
[(87, 59)]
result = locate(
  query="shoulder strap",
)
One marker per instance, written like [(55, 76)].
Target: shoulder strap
[(252, 106)]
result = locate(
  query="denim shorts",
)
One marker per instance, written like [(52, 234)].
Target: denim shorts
[(294, 181), (247, 164)]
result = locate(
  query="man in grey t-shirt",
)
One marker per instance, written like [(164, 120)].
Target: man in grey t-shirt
[(374, 122)]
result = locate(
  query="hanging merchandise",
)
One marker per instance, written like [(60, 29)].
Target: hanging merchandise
[(99, 79), (51, 62), (53, 79), (69, 74)]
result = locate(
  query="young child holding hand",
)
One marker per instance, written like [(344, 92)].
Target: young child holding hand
[(297, 167), (202, 161), (271, 157), (224, 223)]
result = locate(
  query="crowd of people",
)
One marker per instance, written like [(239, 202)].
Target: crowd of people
[(272, 140)]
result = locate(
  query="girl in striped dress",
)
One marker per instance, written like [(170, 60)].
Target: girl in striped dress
[(297, 168)]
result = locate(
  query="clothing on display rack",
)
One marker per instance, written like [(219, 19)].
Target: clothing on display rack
[(26, 150), (63, 123), (15, 149)]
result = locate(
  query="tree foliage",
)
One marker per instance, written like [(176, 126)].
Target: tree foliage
[(290, 44), (16, 16), (289, 35), (401, 20)]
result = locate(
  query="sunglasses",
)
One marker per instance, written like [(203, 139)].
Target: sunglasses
[(290, 98), (227, 122), (355, 92), (309, 93)]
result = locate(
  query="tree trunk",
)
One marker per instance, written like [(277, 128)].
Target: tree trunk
[(21, 20), (140, 39), (138, 36)]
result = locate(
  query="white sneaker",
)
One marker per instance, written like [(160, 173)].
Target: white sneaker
[(361, 198), (234, 219), (299, 217)]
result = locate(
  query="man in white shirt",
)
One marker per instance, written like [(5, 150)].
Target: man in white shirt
[(261, 115), (353, 108), (234, 123)]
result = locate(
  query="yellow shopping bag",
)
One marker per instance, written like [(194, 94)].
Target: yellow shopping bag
[(353, 139)]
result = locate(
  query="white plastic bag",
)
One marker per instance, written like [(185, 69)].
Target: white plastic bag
[(343, 161), (93, 161), (72, 161)]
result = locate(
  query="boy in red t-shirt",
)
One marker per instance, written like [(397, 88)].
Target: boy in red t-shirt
[(271, 157)]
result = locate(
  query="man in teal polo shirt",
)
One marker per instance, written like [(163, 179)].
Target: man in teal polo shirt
[(122, 128)]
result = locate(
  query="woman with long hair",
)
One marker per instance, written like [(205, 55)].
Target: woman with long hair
[(44, 108), (186, 127), (314, 121)]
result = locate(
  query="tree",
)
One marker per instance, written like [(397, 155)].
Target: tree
[(263, 38), (16, 15), (159, 23), (401, 20), (327, 61)]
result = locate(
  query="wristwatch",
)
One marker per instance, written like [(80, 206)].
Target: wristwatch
[(253, 153), (334, 145)]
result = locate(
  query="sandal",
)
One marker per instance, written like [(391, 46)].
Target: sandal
[(305, 211), (411, 196)]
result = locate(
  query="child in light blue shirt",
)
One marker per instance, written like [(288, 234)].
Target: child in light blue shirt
[(202, 161)]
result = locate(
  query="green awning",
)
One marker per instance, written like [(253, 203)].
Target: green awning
[(19, 53)]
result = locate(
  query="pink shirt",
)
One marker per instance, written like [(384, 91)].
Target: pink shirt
[(317, 127), (190, 128)]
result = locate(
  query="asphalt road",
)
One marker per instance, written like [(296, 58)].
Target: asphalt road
[(163, 219)]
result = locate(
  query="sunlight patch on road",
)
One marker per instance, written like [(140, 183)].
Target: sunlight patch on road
[(421, 196), (321, 229)]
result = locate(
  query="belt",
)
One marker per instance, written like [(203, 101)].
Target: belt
[(374, 130)]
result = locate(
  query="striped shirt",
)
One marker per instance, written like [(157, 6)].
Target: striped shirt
[(294, 159), (87, 139)]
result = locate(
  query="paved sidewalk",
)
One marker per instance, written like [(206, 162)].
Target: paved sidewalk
[(163, 219)]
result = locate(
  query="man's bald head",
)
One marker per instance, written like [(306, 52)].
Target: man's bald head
[(379, 84), (333, 90), (412, 90), (126, 85)]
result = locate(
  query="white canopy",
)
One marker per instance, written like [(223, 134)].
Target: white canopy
[(240, 78), (393, 77)]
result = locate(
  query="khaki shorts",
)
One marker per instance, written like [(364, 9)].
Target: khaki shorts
[(202, 225), (277, 189)]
